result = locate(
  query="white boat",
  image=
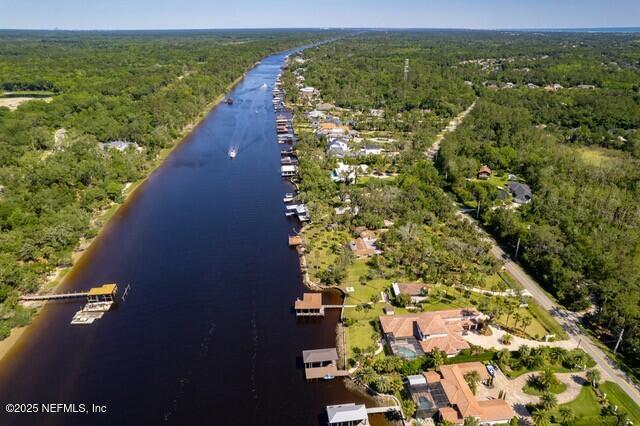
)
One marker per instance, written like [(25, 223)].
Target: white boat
[(289, 197), (328, 377), (233, 151), (264, 86)]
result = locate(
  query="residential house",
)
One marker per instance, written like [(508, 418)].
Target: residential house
[(347, 415), (423, 332), (365, 244), (119, 145), (520, 191), (324, 106), (371, 150), (379, 113), (455, 400), (418, 292), (347, 173), (308, 92), (338, 147), (484, 173)]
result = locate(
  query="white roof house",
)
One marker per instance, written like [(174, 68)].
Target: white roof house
[(347, 415), (347, 173), (119, 145)]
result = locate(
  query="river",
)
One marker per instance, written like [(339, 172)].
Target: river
[(206, 334)]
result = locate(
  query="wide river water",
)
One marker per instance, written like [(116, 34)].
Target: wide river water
[(206, 334)]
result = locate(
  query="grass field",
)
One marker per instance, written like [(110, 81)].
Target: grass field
[(618, 397), (556, 389)]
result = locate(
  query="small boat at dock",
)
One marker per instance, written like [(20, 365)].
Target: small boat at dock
[(233, 151), (228, 101)]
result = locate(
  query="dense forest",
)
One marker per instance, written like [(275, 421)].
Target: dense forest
[(144, 88), (557, 111)]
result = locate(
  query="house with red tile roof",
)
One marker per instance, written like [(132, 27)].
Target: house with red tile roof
[(426, 331)]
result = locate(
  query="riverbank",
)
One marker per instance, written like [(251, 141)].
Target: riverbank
[(100, 220)]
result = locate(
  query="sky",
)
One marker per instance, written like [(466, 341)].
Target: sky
[(180, 14)]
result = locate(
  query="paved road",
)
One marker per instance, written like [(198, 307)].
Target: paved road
[(567, 319)]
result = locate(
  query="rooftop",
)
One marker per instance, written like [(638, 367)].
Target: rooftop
[(319, 355), (309, 301), (347, 413), (104, 290)]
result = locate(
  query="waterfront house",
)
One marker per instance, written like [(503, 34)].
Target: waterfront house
[(309, 305), (455, 401), (484, 173), (417, 292), (411, 335), (347, 415), (308, 92), (520, 191)]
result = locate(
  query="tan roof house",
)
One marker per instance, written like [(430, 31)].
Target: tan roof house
[(418, 292), (427, 331), (484, 172), (461, 401)]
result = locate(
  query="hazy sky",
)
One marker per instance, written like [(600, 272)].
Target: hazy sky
[(161, 14)]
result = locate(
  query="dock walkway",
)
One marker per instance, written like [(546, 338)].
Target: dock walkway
[(59, 296), (378, 410)]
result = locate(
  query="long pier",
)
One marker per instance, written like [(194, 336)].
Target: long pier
[(378, 410), (59, 296)]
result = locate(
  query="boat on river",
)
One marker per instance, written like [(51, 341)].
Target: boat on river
[(228, 101), (233, 151)]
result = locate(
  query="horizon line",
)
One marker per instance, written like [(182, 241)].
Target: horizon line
[(327, 28)]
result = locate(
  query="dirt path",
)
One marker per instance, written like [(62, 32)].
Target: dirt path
[(451, 127)]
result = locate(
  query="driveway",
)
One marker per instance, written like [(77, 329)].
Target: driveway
[(494, 341), (518, 399)]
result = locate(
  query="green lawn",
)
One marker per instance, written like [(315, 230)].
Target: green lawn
[(547, 320), (359, 335), (618, 397), (322, 248), (586, 404), (556, 389)]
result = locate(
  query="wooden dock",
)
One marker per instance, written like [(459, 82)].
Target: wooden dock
[(59, 296), (378, 410), (315, 373)]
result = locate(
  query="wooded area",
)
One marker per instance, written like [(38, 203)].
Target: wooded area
[(557, 112), (142, 88)]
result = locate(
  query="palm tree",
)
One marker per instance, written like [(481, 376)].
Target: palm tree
[(506, 339), (472, 378), (547, 379), (526, 322), (566, 414), (622, 419), (504, 357), (541, 418), (471, 421), (593, 376), (437, 358), (516, 319), (557, 355), (548, 401)]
